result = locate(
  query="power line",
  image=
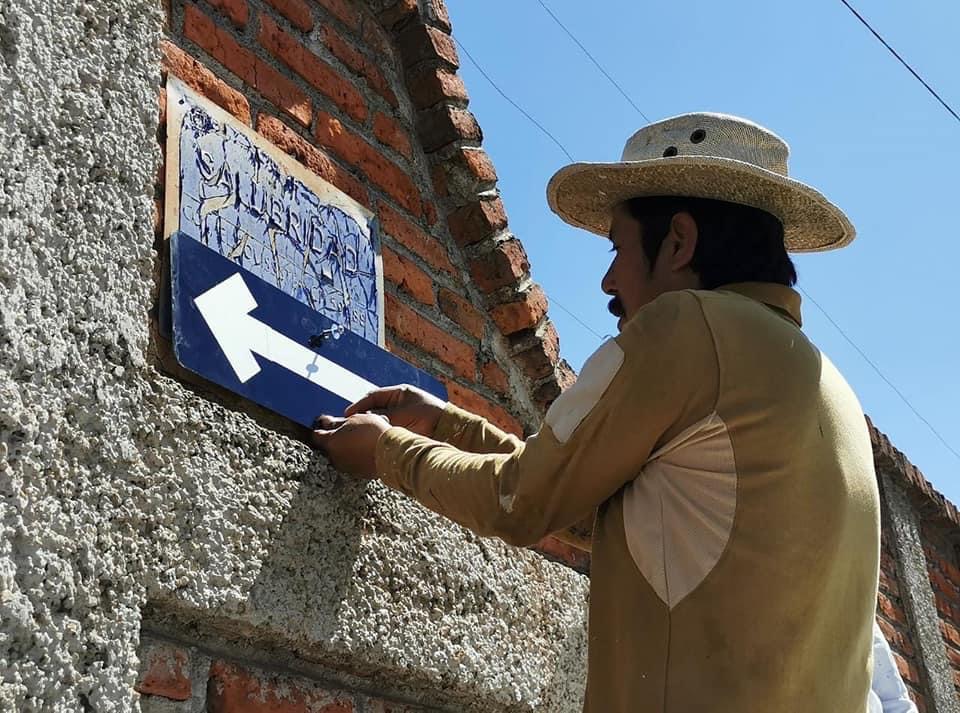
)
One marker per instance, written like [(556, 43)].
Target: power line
[(582, 323), (807, 295), (594, 60), (881, 374), (515, 105), (902, 60)]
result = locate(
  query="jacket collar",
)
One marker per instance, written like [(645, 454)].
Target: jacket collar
[(780, 297)]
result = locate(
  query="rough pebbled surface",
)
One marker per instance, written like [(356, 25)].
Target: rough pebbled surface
[(124, 492)]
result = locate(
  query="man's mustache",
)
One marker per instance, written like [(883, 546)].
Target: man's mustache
[(615, 307)]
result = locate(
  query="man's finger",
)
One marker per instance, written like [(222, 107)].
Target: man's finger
[(328, 423), (377, 399), (319, 437)]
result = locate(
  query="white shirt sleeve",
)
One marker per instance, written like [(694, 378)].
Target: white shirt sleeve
[(889, 693)]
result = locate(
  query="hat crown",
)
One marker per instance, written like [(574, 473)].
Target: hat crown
[(708, 134)]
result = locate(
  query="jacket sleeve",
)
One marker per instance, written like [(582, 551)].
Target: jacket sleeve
[(470, 432), (887, 687), (658, 377)]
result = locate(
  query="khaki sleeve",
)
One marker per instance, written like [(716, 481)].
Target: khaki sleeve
[(470, 432), (658, 377)]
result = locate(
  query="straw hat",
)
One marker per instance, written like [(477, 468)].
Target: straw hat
[(704, 156)]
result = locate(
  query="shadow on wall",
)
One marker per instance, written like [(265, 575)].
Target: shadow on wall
[(348, 582), (287, 596), (311, 560)]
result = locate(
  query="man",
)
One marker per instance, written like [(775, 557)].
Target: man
[(735, 550)]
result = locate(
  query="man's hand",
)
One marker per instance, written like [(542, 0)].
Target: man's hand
[(405, 406), (350, 443)]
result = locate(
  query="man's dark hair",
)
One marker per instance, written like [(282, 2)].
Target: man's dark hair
[(735, 243)]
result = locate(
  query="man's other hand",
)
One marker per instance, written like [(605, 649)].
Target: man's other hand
[(405, 406), (350, 443)]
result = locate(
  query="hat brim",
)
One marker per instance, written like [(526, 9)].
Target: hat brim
[(583, 195)]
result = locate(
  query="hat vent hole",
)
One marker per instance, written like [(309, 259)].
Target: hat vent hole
[(698, 136), (670, 151)]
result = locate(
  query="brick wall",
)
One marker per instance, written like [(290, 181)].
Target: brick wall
[(177, 678), (941, 555), (892, 617), (938, 525), (383, 117), (367, 96)]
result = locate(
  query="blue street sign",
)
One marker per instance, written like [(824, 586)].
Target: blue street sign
[(241, 332)]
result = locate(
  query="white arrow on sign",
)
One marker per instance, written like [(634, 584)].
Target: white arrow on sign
[(225, 308)]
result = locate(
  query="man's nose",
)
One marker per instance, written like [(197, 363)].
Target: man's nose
[(607, 284)]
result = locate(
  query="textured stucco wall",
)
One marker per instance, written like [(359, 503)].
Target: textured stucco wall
[(124, 492)]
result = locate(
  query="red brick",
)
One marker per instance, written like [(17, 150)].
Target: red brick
[(462, 312), (439, 14), (390, 132), (232, 689), (314, 70), (943, 585), (477, 221), (907, 669), (540, 359), (444, 124), (414, 239), (163, 673), (468, 172), (495, 378), (477, 162), (419, 43), (400, 11), (258, 74), (358, 63), (898, 642), (505, 265), (429, 85), (203, 81), (890, 610), (546, 393), (562, 552), (413, 328), (919, 700), (952, 572), (313, 158), (889, 584), (236, 10), (950, 633), (296, 11), (374, 37), (380, 706), (408, 277), (954, 657), (566, 376), (333, 135), (475, 403), (343, 11), (393, 348), (523, 313), (430, 213)]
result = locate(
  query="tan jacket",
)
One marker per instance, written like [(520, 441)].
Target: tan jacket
[(735, 549)]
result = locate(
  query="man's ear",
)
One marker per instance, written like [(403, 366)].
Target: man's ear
[(682, 241)]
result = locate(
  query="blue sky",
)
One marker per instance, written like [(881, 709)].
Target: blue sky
[(860, 127)]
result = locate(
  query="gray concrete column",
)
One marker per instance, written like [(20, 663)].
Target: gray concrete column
[(917, 595)]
